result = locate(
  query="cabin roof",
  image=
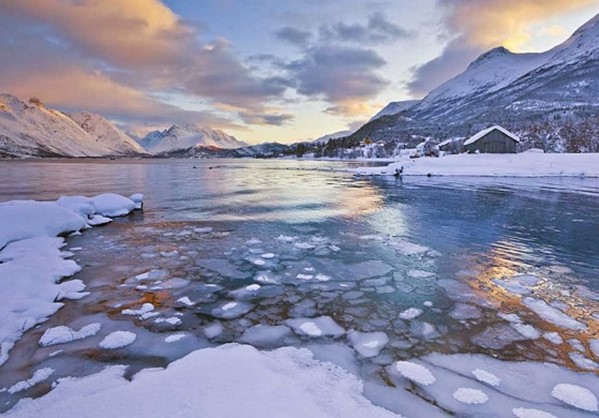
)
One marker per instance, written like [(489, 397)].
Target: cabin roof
[(485, 132)]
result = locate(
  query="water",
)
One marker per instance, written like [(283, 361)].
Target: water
[(429, 262)]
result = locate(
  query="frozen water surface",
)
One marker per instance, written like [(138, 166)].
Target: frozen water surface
[(376, 276)]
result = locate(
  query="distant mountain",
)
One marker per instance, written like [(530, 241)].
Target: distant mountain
[(325, 138), (106, 133), (179, 138), (394, 108), (538, 93), (30, 129)]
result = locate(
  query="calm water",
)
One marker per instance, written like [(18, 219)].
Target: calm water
[(318, 241)]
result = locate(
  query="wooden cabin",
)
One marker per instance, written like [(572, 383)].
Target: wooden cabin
[(495, 140)]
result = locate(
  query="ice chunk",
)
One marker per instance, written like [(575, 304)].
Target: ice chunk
[(415, 372), (185, 301), (39, 376), (410, 313), (527, 331), (230, 310), (63, 334), (420, 274), (111, 204), (213, 330), (268, 256), (173, 320), (316, 327), (470, 396), (486, 377), (145, 308), (594, 346), (118, 339), (203, 230), (368, 344), (463, 311), (576, 396), (554, 337), (138, 199), (265, 335), (408, 248), (552, 315)]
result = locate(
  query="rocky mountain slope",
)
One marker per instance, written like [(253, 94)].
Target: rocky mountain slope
[(537, 93), (30, 129)]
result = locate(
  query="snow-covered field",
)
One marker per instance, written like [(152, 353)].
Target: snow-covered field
[(526, 164)]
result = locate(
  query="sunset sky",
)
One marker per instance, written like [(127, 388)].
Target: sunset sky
[(265, 70)]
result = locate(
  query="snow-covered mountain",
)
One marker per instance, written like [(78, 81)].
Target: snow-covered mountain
[(106, 133), (325, 138), (511, 89), (394, 108), (186, 136), (30, 129)]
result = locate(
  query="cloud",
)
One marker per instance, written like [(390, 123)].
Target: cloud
[(378, 30), (341, 75), (132, 46), (479, 25), (294, 36)]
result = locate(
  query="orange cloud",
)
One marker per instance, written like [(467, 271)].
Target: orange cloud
[(129, 33), (505, 22)]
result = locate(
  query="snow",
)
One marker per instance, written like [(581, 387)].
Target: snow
[(415, 372), (493, 165), (316, 327), (236, 380), (486, 377), (470, 396), (145, 308), (531, 413), (174, 338), (39, 376), (576, 396), (64, 334), (111, 204), (552, 315), (185, 136), (118, 339), (266, 336)]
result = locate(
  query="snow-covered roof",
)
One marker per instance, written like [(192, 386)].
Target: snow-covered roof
[(482, 134), (448, 141)]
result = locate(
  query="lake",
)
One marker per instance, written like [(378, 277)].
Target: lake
[(251, 250)]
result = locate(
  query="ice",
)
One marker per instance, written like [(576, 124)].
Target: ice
[(316, 327), (230, 310), (224, 268), (583, 362), (235, 380), (531, 413), (173, 320), (423, 330), (420, 274), (63, 334), (304, 246), (268, 256), (427, 303), (145, 308), (410, 313), (138, 199), (368, 344), (266, 336), (519, 284), (118, 339), (213, 330), (552, 315), (463, 311), (527, 331), (470, 396), (417, 373), (486, 377), (174, 338), (203, 230), (497, 337), (594, 346), (39, 376), (408, 248), (576, 396)]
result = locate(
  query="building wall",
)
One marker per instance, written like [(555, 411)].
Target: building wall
[(495, 142)]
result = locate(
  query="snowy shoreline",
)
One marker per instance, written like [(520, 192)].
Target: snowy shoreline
[(527, 164), (32, 264)]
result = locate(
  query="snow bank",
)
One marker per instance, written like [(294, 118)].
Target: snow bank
[(32, 264), (227, 381), (494, 165)]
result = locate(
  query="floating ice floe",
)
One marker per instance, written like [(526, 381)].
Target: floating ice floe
[(185, 301), (230, 310), (368, 344), (174, 338), (266, 336), (63, 334), (463, 311), (118, 339), (552, 315), (145, 308), (576, 396), (213, 330), (323, 326), (410, 313)]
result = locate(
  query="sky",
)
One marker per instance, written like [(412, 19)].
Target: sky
[(263, 70)]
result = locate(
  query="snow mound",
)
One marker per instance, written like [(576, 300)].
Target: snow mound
[(576, 396), (39, 376), (486, 377), (236, 380), (64, 334)]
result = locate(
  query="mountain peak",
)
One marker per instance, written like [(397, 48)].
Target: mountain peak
[(492, 54)]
